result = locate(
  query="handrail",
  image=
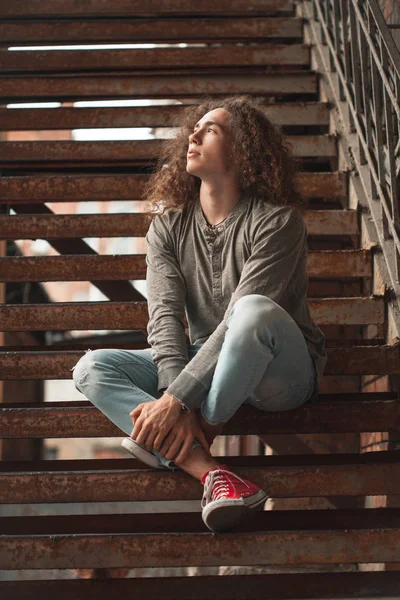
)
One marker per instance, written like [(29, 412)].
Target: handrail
[(366, 59)]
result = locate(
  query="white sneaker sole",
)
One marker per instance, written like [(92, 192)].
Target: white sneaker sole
[(223, 515), (142, 454)]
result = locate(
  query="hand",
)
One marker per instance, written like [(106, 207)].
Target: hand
[(153, 420), (184, 431)]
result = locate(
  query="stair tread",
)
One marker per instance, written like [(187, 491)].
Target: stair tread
[(40, 188), (282, 582), (100, 9), (362, 478), (245, 463), (61, 316), (190, 522), (50, 225), (247, 545)]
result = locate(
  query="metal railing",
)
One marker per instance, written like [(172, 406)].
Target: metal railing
[(363, 54)]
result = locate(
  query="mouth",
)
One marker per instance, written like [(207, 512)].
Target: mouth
[(193, 153)]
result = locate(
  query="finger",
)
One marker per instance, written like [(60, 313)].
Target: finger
[(136, 411), (184, 453), (141, 438), (162, 444), (174, 448), (150, 439), (168, 447), (136, 429), (200, 435)]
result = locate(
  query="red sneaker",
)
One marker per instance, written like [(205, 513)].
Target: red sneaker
[(228, 499)]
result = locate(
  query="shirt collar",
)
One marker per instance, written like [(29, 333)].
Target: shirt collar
[(239, 207)]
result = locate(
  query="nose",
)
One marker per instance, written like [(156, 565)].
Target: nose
[(193, 136)]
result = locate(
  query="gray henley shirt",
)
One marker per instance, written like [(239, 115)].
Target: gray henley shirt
[(260, 248)]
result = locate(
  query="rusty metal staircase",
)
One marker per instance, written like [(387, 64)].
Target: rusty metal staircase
[(256, 47)]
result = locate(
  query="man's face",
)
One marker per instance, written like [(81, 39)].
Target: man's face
[(211, 141)]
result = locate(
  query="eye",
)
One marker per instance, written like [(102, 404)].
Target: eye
[(209, 129)]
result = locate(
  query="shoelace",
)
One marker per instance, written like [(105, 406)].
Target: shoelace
[(218, 477)]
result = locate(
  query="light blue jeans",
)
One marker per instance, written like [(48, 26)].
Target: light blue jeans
[(264, 361)]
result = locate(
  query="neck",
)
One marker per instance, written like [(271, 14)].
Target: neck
[(216, 203)]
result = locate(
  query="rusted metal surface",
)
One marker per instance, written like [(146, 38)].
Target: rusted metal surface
[(191, 522), (324, 264), (201, 29), (285, 586), (128, 315), (114, 153), (152, 58), (348, 311), (387, 359), (332, 222), (73, 268), (329, 288), (248, 462), (286, 113), (56, 188), (18, 227), (72, 87), (61, 188), (120, 290), (95, 342), (185, 549), (83, 419), (74, 315), (355, 360), (339, 263), (129, 485), (323, 185), (332, 341), (25, 9)]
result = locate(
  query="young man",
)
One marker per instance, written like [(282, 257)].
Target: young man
[(232, 252)]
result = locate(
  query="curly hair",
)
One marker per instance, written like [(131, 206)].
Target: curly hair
[(258, 153)]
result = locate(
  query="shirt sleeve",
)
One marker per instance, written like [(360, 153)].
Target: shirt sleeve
[(279, 242), (166, 300)]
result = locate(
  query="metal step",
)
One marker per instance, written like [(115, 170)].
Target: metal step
[(324, 264), (78, 187), (149, 59), (55, 226), (57, 154), (61, 316), (261, 544), (157, 85), (283, 113), (288, 584), (353, 478), (354, 360), (188, 28), (333, 413), (99, 9)]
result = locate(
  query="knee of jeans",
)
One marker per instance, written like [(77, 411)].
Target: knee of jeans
[(254, 310), (80, 370)]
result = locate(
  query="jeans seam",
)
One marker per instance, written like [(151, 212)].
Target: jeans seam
[(224, 419)]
